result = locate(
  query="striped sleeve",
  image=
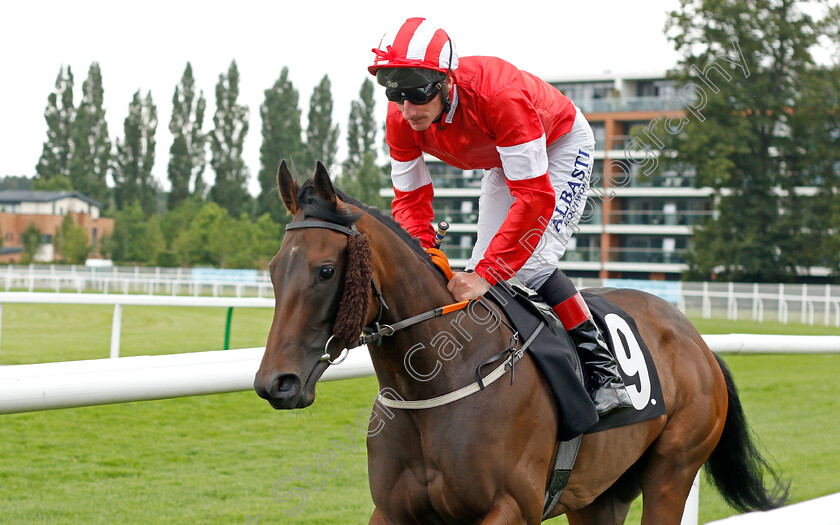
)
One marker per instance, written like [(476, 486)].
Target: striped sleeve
[(520, 141)]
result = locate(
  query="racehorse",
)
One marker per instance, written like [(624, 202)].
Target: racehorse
[(486, 458)]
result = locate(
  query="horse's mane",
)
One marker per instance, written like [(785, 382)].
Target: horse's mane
[(314, 206)]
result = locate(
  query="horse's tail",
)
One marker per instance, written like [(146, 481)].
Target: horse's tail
[(736, 467)]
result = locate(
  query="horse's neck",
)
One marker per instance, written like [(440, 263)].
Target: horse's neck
[(436, 356)]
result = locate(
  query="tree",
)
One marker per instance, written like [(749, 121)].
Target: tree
[(226, 142), (130, 241), (816, 122), (179, 219), (740, 68), (71, 241), (16, 182), (187, 154), (361, 128), (31, 239), (321, 135), (57, 152), (281, 134), (206, 239), (135, 157), (91, 144), (362, 178), (267, 237)]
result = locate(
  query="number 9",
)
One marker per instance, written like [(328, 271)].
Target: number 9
[(631, 359)]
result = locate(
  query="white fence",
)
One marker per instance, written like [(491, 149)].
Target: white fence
[(820, 511), (804, 303), (46, 386), (134, 280), (118, 301)]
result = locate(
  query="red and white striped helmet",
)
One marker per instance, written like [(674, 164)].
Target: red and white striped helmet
[(417, 44)]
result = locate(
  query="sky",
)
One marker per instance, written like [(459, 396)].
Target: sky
[(146, 45)]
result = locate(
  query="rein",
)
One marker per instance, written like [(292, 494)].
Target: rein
[(375, 333)]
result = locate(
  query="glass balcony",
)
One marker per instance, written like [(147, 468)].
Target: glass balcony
[(465, 180), (457, 217), (579, 255), (457, 252), (646, 255), (583, 255), (680, 218), (626, 104)]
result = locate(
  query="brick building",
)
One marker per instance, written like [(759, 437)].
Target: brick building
[(46, 209)]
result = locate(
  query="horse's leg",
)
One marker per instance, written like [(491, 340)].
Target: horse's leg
[(505, 512), (611, 507), (603, 511), (378, 518), (665, 488), (678, 453)]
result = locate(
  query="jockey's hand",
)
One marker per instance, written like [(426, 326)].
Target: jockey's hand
[(467, 285)]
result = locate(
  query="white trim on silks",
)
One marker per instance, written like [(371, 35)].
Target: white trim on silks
[(524, 161), (410, 175), (446, 398)]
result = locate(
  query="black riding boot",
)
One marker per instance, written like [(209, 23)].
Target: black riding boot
[(603, 381)]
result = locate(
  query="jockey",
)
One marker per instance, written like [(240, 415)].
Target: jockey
[(536, 150)]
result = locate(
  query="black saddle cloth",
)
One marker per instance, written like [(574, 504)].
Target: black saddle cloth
[(557, 359)]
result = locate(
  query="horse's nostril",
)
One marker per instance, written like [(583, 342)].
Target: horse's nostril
[(285, 386)]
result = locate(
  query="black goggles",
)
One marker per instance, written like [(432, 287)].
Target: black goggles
[(417, 95)]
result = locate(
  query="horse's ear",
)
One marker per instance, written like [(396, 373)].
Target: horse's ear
[(323, 184), (288, 188)]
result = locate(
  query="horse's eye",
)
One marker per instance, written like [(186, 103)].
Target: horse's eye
[(326, 273)]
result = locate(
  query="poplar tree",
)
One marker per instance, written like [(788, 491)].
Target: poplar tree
[(187, 154), (281, 140), (361, 128), (53, 167), (226, 142), (361, 177), (91, 144), (321, 135), (135, 157)]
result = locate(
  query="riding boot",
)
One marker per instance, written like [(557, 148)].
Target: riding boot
[(603, 381)]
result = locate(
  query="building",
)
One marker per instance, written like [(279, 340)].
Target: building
[(642, 217), (46, 209), (635, 225)]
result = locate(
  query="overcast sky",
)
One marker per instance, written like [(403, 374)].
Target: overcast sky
[(146, 45)]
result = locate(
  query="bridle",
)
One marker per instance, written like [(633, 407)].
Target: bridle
[(349, 231), (373, 333)]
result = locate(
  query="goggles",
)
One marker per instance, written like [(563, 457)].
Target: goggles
[(417, 95)]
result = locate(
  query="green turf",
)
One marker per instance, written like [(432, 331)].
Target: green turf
[(216, 459)]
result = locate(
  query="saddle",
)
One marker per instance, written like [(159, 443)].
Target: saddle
[(557, 358)]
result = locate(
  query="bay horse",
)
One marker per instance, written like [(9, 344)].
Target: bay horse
[(486, 458)]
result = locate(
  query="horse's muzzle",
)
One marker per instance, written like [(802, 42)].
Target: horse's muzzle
[(282, 391)]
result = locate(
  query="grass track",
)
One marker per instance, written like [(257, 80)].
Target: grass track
[(216, 459)]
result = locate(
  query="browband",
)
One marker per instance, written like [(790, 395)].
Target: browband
[(320, 224)]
